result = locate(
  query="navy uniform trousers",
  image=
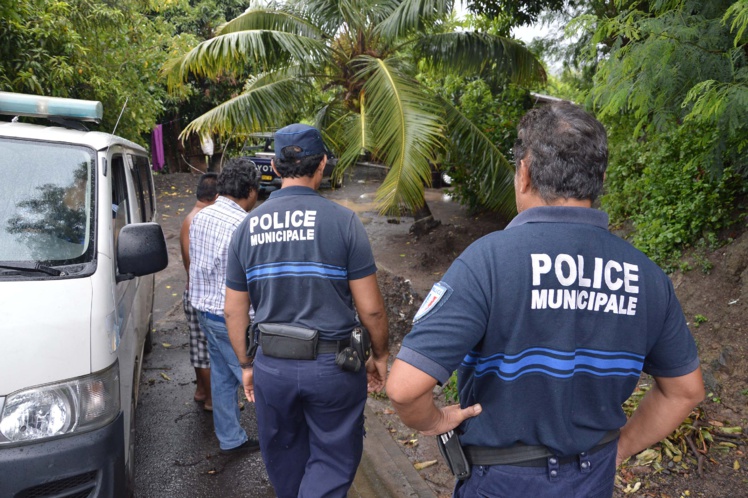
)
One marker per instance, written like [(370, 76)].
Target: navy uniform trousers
[(587, 476), (310, 416)]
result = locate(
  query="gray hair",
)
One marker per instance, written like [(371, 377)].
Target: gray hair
[(566, 150)]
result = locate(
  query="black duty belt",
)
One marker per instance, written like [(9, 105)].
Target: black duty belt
[(324, 346), (522, 455)]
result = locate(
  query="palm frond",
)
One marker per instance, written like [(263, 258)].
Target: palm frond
[(343, 132), (412, 15), (472, 52), (351, 138), (268, 102), (233, 52), (330, 15), (324, 13), (406, 129), (494, 172), (263, 18)]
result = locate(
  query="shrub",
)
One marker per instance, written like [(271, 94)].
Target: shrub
[(663, 187)]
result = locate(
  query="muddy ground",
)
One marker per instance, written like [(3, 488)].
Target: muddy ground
[(706, 459)]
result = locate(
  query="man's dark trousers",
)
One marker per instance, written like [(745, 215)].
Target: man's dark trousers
[(311, 422), (588, 476)]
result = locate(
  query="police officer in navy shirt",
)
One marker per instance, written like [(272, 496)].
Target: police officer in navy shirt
[(549, 324), (306, 265)]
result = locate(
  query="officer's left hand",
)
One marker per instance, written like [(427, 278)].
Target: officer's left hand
[(450, 417), (248, 382)]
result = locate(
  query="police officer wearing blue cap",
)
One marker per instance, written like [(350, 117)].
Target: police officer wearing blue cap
[(306, 265), (549, 324)]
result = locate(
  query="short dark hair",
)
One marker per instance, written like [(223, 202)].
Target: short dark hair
[(566, 150), (238, 178), (206, 187), (292, 167)]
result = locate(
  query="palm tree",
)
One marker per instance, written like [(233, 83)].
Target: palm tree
[(355, 62)]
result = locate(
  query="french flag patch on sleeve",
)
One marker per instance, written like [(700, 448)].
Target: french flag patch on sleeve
[(437, 296)]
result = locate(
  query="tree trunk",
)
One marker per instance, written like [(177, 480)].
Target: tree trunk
[(424, 221)]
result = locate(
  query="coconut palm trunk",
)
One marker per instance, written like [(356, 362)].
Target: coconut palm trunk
[(424, 221)]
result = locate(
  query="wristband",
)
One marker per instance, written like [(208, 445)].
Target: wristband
[(247, 364)]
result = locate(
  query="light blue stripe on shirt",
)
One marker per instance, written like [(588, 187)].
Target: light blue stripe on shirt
[(296, 269), (555, 363)]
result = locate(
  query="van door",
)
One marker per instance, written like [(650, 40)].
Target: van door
[(125, 210), (140, 172)]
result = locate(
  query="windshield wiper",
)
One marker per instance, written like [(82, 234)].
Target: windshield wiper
[(33, 267)]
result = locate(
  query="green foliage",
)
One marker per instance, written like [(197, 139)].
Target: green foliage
[(192, 22), (699, 255), (87, 49), (676, 61), (451, 394), (494, 111), (664, 187), (699, 319), (671, 84), (200, 18), (515, 12)]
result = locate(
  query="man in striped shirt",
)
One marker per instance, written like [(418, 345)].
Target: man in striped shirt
[(199, 357), (210, 234)]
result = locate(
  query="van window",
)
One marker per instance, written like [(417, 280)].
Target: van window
[(144, 186), (46, 202), (120, 208)]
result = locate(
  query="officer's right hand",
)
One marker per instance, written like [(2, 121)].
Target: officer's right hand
[(451, 416), (248, 382), (376, 374)]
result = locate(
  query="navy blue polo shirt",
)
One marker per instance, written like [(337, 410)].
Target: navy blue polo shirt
[(295, 254), (549, 324)]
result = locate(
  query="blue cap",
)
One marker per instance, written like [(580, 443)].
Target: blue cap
[(305, 138)]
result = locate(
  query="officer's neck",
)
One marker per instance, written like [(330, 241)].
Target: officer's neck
[(304, 181), (532, 200)]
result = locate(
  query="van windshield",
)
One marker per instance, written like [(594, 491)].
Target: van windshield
[(46, 202)]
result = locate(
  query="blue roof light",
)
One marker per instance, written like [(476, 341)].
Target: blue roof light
[(19, 104)]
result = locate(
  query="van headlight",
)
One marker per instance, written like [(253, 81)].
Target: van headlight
[(77, 405)]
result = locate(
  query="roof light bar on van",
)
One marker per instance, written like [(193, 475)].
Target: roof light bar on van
[(19, 104)]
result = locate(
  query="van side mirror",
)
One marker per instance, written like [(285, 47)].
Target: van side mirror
[(141, 250)]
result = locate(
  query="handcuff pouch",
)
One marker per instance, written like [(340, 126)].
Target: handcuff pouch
[(283, 340)]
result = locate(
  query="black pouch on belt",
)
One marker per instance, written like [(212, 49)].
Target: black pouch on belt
[(361, 343), (358, 351), (451, 449), (283, 340)]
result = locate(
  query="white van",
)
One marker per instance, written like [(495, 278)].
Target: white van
[(78, 249)]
